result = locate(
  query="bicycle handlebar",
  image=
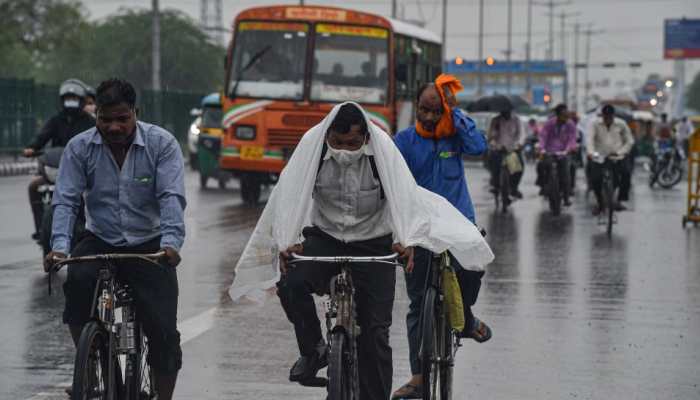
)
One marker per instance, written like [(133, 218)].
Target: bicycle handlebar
[(388, 259), (153, 258)]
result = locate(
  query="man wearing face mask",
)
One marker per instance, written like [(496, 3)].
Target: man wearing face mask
[(349, 216), (57, 131), (131, 175)]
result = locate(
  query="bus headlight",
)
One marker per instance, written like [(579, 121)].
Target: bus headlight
[(245, 132)]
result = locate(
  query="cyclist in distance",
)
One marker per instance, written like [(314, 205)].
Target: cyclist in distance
[(610, 137), (433, 150), (505, 136), (131, 175), (558, 136)]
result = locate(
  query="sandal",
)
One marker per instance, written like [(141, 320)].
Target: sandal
[(480, 331), (408, 391)]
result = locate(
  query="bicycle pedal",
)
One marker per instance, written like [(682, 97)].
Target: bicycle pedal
[(316, 381)]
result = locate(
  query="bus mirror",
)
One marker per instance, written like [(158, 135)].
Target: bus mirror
[(402, 72)]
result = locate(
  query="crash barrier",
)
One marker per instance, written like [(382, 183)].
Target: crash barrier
[(25, 105), (693, 210)]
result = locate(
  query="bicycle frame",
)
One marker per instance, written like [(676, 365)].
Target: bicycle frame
[(125, 337)]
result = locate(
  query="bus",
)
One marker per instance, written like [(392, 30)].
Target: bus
[(287, 66)]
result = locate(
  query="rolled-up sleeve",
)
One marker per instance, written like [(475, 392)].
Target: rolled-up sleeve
[(170, 191), (70, 186), (472, 141)]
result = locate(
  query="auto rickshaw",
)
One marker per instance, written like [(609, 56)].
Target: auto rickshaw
[(209, 142)]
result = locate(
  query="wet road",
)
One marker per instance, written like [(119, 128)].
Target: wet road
[(575, 314)]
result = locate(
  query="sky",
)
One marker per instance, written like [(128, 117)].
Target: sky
[(626, 30)]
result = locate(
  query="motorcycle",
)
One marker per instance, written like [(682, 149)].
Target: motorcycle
[(667, 167), (48, 162)]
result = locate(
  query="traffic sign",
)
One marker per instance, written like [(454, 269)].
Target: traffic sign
[(681, 38)]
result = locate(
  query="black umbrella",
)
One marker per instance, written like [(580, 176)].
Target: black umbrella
[(497, 103)]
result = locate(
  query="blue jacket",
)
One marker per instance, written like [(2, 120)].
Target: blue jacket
[(437, 164)]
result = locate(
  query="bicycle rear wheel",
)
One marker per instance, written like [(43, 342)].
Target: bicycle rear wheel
[(342, 369), (91, 378)]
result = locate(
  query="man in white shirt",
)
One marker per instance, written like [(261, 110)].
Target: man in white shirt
[(684, 129), (505, 135), (349, 217), (610, 137)]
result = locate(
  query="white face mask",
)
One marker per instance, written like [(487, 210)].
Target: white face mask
[(346, 157), (71, 103)]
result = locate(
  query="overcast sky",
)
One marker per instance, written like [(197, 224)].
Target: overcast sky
[(629, 30)]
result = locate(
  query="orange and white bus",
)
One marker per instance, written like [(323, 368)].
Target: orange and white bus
[(288, 65)]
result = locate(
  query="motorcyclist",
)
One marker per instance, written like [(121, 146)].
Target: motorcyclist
[(558, 137), (58, 130)]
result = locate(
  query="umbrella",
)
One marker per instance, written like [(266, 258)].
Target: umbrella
[(497, 103)]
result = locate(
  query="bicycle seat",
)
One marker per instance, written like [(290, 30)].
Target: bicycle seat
[(316, 381)]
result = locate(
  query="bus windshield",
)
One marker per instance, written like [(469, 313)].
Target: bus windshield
[(268, 60), (350, 63)]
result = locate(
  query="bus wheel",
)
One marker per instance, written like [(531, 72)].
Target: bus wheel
[(250, 189)]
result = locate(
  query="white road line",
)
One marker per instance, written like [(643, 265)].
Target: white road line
[(190, 328)]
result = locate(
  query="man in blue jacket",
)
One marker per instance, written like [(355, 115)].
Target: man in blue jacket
[(434, 156)]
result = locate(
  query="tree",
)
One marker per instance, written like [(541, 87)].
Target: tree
[(121, 46), (692, 94)]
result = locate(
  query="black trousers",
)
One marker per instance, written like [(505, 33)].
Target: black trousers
[(622, 179), (374, 296), (35, 201), (469, 284), (155, 293)]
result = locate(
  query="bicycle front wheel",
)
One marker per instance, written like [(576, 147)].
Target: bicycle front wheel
[(91, 379), (428, 354), (342, 369), (609, 199), (139, 381), (554, 192)]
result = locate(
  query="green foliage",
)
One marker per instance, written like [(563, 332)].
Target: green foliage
[(692, 96), (52, 40)]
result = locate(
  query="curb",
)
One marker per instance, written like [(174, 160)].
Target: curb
[(18, 168)]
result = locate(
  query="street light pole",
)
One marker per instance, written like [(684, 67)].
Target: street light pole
[(480, 61), (444, 32), (509, 74), (528, 49), (393, 8), (577, 31), (155, 61)]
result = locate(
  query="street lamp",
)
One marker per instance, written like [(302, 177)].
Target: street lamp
[(669, 83), (659, 94), (653, 102)]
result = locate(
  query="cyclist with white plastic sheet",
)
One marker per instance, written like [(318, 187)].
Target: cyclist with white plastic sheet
[(347, 189)]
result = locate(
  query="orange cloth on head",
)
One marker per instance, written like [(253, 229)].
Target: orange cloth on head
[(445, 127)]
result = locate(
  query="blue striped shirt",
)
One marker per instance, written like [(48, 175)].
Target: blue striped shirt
[(127, 207)]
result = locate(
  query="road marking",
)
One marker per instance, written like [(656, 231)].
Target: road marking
[(190, 329)]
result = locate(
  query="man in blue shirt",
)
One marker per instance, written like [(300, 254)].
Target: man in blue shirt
[(131, 175), (436, 164)]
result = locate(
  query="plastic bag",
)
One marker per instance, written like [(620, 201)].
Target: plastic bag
[(513, 163), (453, 296)]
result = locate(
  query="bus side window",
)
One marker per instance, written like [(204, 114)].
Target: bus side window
[(402, 67)]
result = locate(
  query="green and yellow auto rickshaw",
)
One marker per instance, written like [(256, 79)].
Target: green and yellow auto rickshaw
[(209, 142)]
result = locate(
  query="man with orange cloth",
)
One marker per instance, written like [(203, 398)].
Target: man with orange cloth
[(433, 150)]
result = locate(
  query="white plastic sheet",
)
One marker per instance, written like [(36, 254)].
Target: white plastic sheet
[(417, 217)]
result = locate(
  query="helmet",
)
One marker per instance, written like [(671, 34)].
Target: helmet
[(72, 87)]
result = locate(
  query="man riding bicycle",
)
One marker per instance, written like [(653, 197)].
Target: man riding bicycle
[(131, 175), (505, 136), (348, 217), (433, 150), (558, 140), (347, 191), (610, 137)]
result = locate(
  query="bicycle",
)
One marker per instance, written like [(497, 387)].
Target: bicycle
[(341, 325), (554, 190), (439, 343), (608, 190), (106, 344), (502, 192)]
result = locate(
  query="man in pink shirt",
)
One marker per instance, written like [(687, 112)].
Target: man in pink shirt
[(557, 139)]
